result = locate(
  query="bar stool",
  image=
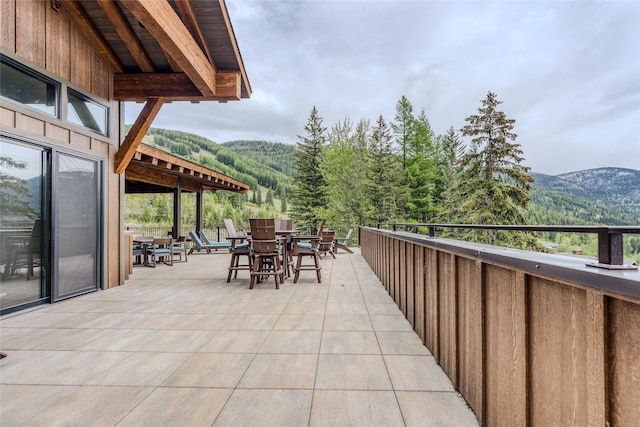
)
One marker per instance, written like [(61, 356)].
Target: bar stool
[(306, 246)]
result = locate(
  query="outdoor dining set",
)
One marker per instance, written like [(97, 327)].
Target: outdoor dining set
[(272, 247)]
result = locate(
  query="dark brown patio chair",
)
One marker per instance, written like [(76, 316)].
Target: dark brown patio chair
[(266, 250), (239, 248), (326, 242)]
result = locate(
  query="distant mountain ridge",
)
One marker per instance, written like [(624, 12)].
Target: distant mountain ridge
[(608, 195), (612, 192)]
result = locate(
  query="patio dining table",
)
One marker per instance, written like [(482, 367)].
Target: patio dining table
[(144, 242), (285, 236)]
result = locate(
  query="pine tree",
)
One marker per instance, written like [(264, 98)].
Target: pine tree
[(309, 196), (494, 182), (421, 172), (384, 173), (344, 167), (452, 149), (402, 127)]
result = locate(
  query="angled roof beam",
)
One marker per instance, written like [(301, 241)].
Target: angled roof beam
[(188, 16), (162, 22), (136, 133), (86, 25), (236, 50), (126, 33)]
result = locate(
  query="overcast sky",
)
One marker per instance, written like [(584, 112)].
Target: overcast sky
[(568, 72)]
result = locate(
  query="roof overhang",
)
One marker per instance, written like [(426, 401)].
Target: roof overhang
[(155, 171), (178, 50), (161, 51)]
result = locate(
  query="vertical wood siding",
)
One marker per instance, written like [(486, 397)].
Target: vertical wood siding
[(46, 40), (522, 349)]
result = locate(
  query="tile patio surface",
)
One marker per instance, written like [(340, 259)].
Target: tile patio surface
[(180, 346)]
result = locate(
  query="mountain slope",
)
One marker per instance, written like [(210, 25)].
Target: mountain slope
[(604, 195)]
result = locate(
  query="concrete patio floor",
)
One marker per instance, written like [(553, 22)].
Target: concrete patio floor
[(180, 346)]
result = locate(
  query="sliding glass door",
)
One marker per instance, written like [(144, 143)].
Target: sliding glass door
[(24, 225), (50, 225), (76, 232)]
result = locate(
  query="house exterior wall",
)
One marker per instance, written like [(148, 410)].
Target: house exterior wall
[(36, 35)]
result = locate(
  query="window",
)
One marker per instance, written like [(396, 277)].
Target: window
[(28, 87), (86, 112)]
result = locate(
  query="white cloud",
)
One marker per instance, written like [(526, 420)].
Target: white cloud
[(568, 72)]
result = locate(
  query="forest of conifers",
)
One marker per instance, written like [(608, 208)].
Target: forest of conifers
[(388, 172)]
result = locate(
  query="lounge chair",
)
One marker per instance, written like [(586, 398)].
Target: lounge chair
[(343, 242), (199, 245)]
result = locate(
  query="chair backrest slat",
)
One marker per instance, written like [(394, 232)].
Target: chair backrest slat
[(263, 235), (231, 229)]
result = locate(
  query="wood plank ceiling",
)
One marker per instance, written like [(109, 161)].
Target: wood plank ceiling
[(162, 51)]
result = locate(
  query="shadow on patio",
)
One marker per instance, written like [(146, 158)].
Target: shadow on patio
[(179, 345)]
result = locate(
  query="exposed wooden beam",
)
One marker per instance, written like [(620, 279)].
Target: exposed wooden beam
[(188, 16), (83, 21), (173, 87), (234, 43), (136, 133), (126, 33), (162, 22)]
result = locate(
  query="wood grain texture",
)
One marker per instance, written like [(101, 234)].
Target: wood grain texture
[(557, 353), (31, 31), (624, 363), (447, 315), (58, 53), (7, 118), (396, 262), (596, 366), (81, 63), (29, 125), (402, 276), (136, 133), (530, 350), (419, 304), (101, 78), (431, 303), (412, 267), (58, 133), (470, 332), (8, 25), (505, 345)]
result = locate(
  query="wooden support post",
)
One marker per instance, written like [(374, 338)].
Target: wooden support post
[(177, 209), (136, 133)]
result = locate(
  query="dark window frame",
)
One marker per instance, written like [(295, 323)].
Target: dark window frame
[(57, 86), (85, 98)]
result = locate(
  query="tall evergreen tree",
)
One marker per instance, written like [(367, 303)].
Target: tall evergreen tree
[(402, 126), (452, 149), (344, 168), (309, 187), (384, 173), (421, 172), (495, 185)]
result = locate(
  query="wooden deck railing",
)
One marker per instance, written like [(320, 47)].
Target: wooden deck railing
[(527, 338)]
